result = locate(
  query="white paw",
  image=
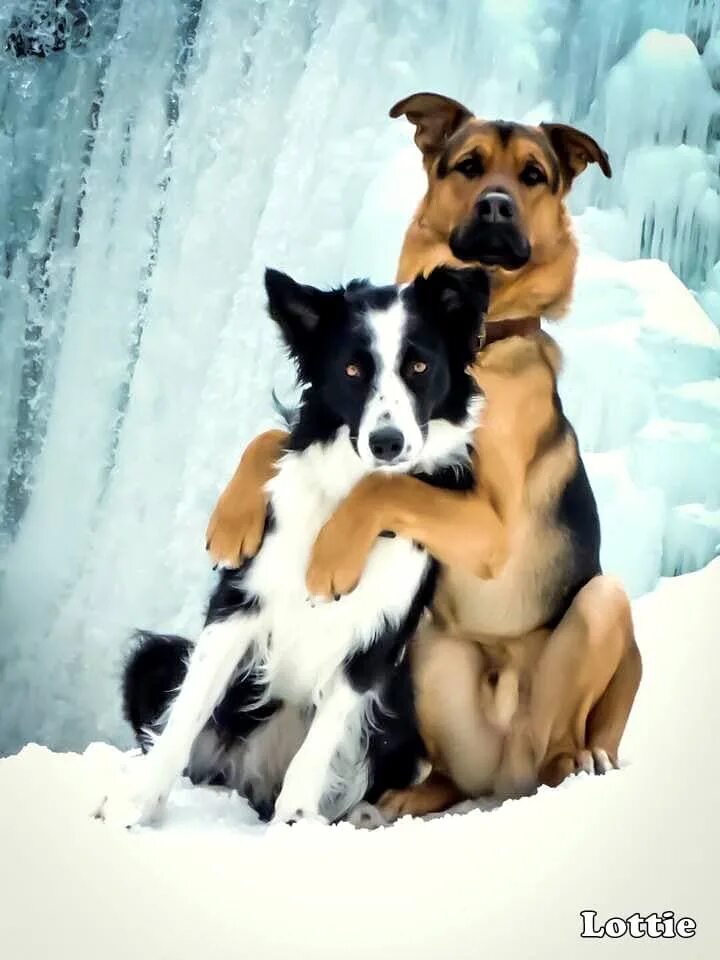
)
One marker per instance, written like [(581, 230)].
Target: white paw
[(136, 796), (294, 814), (366, 816)]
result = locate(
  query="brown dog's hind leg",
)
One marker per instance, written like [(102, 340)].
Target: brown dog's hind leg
[(607, 720), (584, 683)]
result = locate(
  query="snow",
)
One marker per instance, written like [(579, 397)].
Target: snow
[(211, 881), (150, 171)]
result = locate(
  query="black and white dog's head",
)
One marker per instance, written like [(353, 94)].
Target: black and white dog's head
[(388, 363)]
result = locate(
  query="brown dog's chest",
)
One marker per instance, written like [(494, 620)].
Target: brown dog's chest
[(524, 456), (522, 598)]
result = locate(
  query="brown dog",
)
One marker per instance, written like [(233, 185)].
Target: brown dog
[(530, 668), (495, 197)]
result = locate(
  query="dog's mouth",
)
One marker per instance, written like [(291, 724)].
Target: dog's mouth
[(387, 448), (402, 465), (500, 245)]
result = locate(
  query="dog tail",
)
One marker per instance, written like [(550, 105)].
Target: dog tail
[(152, 675)]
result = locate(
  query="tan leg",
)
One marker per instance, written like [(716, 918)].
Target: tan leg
[(585, 682), (609, 716), (453, 709), (433, 795)]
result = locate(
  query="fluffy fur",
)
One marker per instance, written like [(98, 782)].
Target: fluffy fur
[(307, 707), (521, 553)]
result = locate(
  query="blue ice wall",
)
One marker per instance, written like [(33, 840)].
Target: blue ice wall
[(154, 157)]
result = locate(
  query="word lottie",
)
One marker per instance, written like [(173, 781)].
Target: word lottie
[(654, 926)]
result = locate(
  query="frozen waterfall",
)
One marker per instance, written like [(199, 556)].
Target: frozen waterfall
[(154, 157)]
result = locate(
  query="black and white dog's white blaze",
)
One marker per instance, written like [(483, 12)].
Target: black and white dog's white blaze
[(305, 707)]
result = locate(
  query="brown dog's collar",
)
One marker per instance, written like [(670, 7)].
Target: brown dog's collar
[(501, 329)]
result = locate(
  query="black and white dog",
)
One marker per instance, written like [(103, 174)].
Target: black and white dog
[(300, 705)]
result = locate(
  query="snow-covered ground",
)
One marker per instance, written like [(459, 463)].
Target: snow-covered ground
[(212, 882)]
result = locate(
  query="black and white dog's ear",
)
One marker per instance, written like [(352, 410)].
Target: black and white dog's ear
[(295, 307), (457, 301), (299, 311)]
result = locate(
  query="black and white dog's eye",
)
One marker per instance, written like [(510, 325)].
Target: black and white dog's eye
[(353, 370), (533, 174), (418, 366), (470, 167)]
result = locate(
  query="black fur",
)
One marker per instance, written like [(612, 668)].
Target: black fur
[(395, 747), (229, 597), (324, 332), (577, 513), (153, 672), (505, 130), (451, 477), (452, 304)]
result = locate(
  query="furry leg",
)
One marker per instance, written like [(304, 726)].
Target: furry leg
[(219, 649), (330, 765)]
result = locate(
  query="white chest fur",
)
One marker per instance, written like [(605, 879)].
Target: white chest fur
[(310, 641)]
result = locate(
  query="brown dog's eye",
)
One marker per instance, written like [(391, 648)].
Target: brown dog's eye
[(471, 166), (533, 174), (353, 370)]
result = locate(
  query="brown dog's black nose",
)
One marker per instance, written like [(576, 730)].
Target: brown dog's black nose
[(495, 206)]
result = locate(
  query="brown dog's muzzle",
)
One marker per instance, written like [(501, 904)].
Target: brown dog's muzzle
[(493, 234)]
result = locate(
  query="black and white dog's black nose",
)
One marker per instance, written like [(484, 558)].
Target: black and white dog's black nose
[(386, 444)]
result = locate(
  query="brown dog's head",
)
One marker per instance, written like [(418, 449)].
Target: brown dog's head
[(495, 189)]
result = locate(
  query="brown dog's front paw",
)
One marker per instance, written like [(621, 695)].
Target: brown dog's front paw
[(398, 803), (433, 795), (595, 762), (413, 802), (234, 538), (332, 574), (338, 558)]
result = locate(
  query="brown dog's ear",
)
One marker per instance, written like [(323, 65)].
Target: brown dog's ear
[(435, 117), (575, 150)]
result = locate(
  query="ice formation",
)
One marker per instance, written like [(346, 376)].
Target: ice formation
[(154, 157)]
